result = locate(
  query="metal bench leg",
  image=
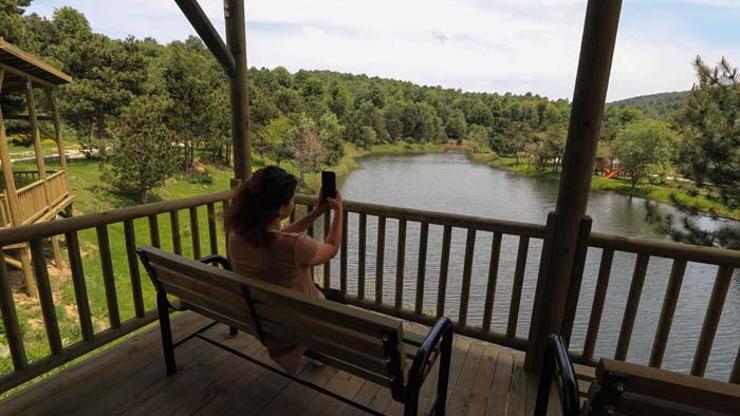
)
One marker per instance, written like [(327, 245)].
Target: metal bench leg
[(166, 330), (233, 331)]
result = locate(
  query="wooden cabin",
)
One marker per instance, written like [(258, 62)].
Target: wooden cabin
[(494, 370), (31, 196)]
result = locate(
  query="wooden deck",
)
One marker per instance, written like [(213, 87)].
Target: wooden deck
[(129, 379)]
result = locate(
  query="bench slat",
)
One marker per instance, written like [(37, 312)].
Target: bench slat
[(321, 328), (669, 386), (329, 348)]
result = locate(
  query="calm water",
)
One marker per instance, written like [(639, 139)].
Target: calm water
[(451, 183)]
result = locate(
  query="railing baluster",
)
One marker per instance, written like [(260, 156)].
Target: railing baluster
[(195, 231), (467, 273), (711, 320), (492, 280), (80, 287), (735, 375), (443, 266), (108, 278), (225, 209), (13, 333), (633, 301), (343, 255), (212, 233), (361, 256), (380, 261), (597, 308), (327, 265), (421, 268), (175, 227), (666, 313), (516, 291), (46, 299), (154, 231), (400, 262), (133, 265), (576, 277)]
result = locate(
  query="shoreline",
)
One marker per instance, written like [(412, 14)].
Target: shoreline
[(664, 194)]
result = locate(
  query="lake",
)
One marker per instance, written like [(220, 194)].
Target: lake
[(450, 182)]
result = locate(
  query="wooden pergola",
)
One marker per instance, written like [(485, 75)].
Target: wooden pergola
[(31, 196)]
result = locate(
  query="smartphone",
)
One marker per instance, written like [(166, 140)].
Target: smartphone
[(328, 184)]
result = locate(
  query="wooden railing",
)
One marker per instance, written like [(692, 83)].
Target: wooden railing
[(58, 187), (23, 178), (441, 246), (32, 201), (121, 221)]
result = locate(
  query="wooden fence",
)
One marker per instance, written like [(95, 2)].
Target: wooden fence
[(24, 369)]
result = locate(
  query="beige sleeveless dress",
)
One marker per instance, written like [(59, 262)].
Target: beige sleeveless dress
[(283, 261)]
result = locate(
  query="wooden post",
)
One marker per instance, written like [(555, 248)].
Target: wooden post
[(236, 41), (51, 96), (31, 103), (592, 80), (12, 197)]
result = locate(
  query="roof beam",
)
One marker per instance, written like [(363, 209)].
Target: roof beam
[(208, 33)]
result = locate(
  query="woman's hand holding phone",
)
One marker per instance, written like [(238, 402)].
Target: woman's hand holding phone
[(336, 203)]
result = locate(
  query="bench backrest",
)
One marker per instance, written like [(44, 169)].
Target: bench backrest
[(352, 339), (635, 389)]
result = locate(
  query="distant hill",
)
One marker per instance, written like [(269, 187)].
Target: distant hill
[(657, 105)]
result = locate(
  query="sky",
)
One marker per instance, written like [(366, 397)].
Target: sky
[(499, 46)]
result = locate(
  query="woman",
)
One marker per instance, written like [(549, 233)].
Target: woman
[(261, 249)]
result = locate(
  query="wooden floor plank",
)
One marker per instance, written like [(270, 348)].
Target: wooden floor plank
[(129, 379), (463, 389), (483, 382), (143, 351), (517, 396), (499, 397)]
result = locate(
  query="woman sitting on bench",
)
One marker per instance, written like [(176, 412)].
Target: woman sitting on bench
[(260, 249)]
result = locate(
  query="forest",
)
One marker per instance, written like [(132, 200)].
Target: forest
[(149, 111)]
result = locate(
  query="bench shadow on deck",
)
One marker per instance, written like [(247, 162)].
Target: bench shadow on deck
[(485, 379)]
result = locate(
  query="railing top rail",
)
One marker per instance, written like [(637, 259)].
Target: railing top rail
[(656, 248), (43, 230), (440, 218), (55, 174), (30, 186), (668, 249)]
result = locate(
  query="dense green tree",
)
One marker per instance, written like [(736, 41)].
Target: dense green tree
[(13, 27), (306, 147), (645, 147), (479, 137), (145, 154), (710, 124), (330, 131), (456, 126)]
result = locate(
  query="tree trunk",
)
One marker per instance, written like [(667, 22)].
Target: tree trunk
[(635, 178), (101, 133), (143, 196)]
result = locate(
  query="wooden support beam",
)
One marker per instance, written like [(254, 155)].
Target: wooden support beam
[(11, 196), (192, 10), (592, 81), (51, 96), (40, 164), (240, 124)]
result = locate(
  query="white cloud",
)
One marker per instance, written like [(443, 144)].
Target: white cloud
[(496, 45)]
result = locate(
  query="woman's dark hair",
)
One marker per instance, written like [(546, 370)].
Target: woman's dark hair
[(256, 203)]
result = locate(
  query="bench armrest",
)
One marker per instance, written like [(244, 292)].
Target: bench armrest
[(439, 337), (216, 260)]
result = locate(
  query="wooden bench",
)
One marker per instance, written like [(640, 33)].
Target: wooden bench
[(629, 389), (360, 342)]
